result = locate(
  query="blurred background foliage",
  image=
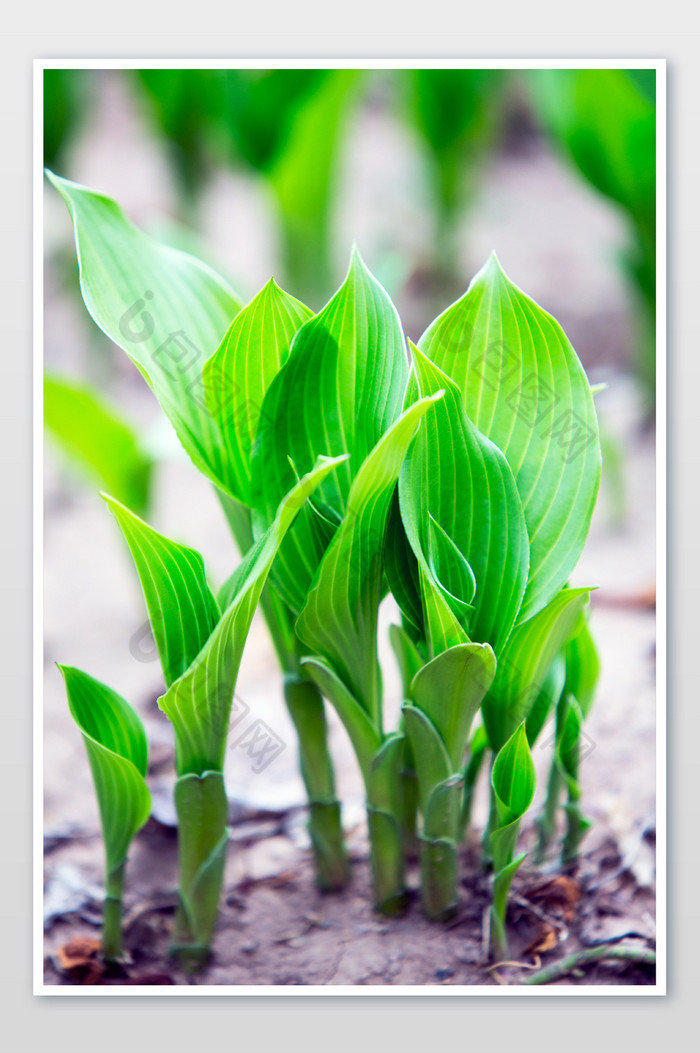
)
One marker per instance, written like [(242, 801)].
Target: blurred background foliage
[(292, 134)]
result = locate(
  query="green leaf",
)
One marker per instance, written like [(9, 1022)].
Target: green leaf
[(166, 309), (441, 818), (97, 439), (513, 778), (383, 790), (523, 386), (567, 745), (199, 702), (450, 689), (457, 477), (525, 662), (582, 668), (409, 658), (117, 750), (364, 736), (546, 700), (402, 573), (237, 376), (338, 392), (339, 618), (181, 607), (433, 763)]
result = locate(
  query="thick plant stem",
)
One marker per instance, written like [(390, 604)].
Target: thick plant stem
[(386, 862), (409, 797), (112, 915), (577, 826), (306, 709), (439, 879), (439, 851), (547, 822), (385, 822), (202, 812)]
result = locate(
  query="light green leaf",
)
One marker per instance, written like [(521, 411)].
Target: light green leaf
[(459, 478), (582, 668), (523, 386), (118, 754), (547, 698), (181, 607), (433, 763), (449, 690), (441, 818), (409, 658), (199, 702), (339, 618), (237, 376), (383, 791), (338, 392), (513, 778), (526, 661), (97, 439), (402, 573), (166, 309), (570, 720), (365, 737)]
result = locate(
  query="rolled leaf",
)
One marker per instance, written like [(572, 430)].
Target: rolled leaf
[(450, 689), (199, 702), (339, 618), (117, 751), (339, 391), (525, 662), (238, 374), (463, 518), (523, 386), (513, 782), (181, 607)]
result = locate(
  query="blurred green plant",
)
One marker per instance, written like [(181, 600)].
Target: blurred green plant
[(287, 125), (67, 99), (459, 115), (96, 439), (604, 120)]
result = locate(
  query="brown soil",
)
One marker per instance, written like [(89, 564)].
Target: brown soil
[(279, 930)]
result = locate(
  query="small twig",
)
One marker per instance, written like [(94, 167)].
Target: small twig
[(560, 926), (594, 954)]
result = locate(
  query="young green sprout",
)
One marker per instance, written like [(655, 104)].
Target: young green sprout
[(117, 750), (200, 640), (186, 331), (495, 499), (513, 782)]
